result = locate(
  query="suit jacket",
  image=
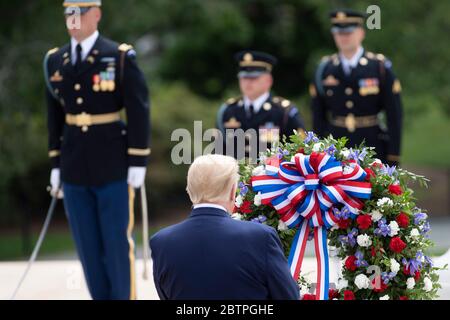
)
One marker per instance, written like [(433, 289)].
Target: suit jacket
[(212, 256), (108, 81)]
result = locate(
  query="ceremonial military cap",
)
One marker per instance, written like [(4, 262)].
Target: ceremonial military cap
[(346, 20), (254, 63), (83, 5)]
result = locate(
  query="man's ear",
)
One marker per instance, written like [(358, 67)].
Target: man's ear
[(233, 192)]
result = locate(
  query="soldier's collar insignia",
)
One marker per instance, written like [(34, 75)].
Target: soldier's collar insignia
[(330, 81), (363, 61), (56, 77), (95, 52), (66, 55), (91, 59), (232, 124)]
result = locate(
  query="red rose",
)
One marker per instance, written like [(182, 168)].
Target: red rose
[(369, 173), (308, 296), (397, 245), (349, 295), (245, 207), (364, 221), (403, 298), (333, 294), (373, 251), (377, 165), (382, 287), (407, 272), (402, 220), (350, 263), (395, 189), (344, 224)]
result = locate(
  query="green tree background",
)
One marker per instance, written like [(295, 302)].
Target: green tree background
[(186, 50)]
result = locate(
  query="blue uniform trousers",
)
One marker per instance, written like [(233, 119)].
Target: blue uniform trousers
[(101, 220)]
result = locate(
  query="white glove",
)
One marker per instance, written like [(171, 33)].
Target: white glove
[(136, 176), (55, 182)]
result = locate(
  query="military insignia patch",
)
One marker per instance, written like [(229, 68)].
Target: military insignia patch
[(369, 86), (232, 124), (330, 81), (56, 77)]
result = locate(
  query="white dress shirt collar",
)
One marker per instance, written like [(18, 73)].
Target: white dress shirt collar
[(209, 205), (352, 62), (86, 46), (257, 104)]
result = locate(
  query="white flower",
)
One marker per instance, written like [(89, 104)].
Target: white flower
[(414, 233), (239, 201), (385, 297), (395, 266), (317, 147), (282, 226), (393, 225), (257, 199), (376, 215), (410, 283), (236, 216), (364, 240), (428, 285), (345, 153), (304, 290), (258, 171), (384, 202), (342, 284), (361, 281)]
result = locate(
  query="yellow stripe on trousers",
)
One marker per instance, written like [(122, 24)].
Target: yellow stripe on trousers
[(131, 243)]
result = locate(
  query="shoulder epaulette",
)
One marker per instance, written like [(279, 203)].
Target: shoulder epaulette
[(233, 100), (52, 51), (125, 47)]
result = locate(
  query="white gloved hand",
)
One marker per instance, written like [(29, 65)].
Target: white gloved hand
[(55, 182), (136, 176)]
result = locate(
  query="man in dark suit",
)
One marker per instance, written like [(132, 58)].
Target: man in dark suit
[(96, 158), (212, 256), (355, 92)]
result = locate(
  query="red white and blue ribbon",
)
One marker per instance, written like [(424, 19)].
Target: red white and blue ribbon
[(304, 191)]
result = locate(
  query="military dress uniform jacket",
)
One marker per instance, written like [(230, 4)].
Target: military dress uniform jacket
[(277, 117), (349, 105), (87, 138)]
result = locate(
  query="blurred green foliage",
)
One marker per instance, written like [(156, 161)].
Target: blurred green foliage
[(186, 49)]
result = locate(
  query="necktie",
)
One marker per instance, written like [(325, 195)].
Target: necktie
[(78, 62), (251, 111)]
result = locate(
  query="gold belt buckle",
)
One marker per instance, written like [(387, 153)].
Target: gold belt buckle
[(83, 120), (350, 122)]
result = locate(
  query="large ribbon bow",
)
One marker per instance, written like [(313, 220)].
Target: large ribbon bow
[(304, 192)]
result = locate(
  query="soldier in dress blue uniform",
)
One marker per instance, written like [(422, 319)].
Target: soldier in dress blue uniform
[(270, 116), (355, 92), (97, 159)]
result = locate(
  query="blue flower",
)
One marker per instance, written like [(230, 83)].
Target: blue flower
[(383, 228), (331, 150), (282, 153), (428, 261), (360, 262), (388, 276), (310, 136), (342, 214), (243, 189), (259, 219), (357, 155), (390, 171), (414, 264), (350, 238), (425, 228), (419, 217)]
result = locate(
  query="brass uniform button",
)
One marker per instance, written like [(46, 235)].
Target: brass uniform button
[(329, 92), (349, 104), (77, 87), (348, 91), (79, 101), (84, 128)]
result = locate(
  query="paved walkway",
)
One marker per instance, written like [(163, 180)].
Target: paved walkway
[(63, 280)]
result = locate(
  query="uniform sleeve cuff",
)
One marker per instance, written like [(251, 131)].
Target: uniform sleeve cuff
[(138, 157)]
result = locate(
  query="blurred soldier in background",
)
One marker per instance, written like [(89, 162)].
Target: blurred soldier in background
[(271, 116), (97, 160), (355, 92)]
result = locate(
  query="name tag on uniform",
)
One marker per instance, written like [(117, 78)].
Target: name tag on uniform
[(368, 86)]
